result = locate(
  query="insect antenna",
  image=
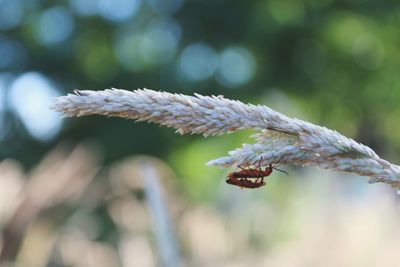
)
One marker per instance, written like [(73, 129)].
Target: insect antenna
[(281, 171)]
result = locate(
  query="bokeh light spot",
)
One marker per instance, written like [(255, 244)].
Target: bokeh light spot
[(198, 62), (368, 51), (30, 97), (156, 44), (236, 66), (4, 126), (126, 51), (54, 26), (99, 63), (118, 10), (286, 12), (3, 87), (11, 12), (84, 8), (343, 28), (160, 41)]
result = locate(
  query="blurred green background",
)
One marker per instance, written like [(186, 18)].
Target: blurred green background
[(334, 63)]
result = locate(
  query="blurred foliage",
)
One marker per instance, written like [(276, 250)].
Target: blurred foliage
[(331, 62), (58, 215), (336, 61)]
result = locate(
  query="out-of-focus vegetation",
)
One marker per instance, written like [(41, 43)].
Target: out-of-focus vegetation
[(331, 62), (134, 213)]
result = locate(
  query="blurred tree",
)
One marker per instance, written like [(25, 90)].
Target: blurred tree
[(334, 60)]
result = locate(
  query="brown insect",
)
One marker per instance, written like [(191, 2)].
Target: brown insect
[(250, 177)]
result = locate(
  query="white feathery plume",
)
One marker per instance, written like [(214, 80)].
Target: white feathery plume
[(281, 140)]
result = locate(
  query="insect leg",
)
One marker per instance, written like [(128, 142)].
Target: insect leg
[(281, 171)]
